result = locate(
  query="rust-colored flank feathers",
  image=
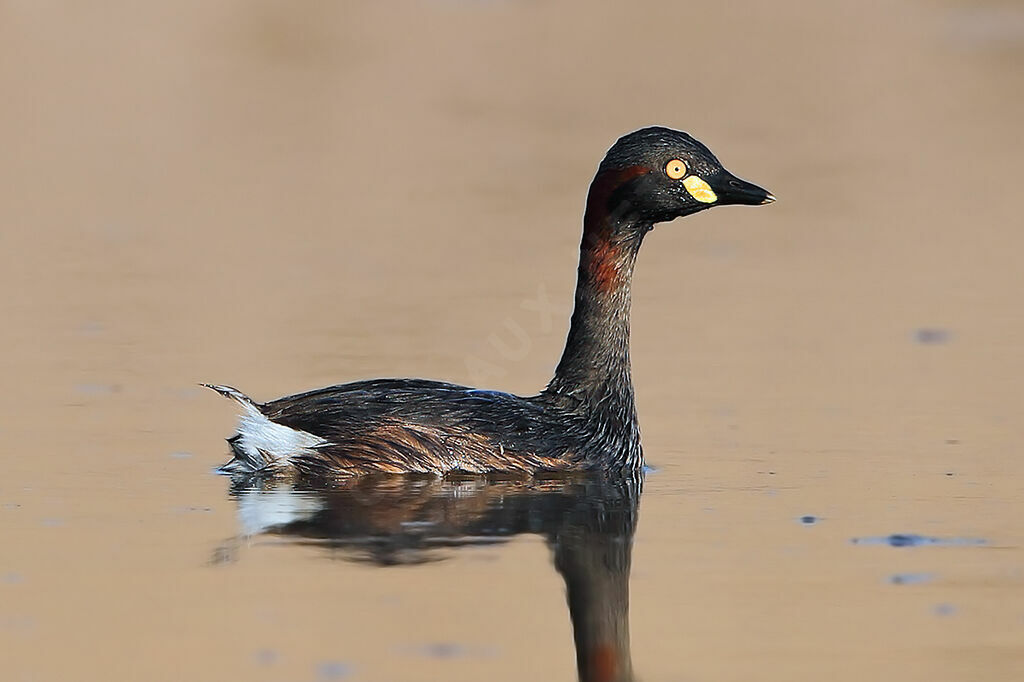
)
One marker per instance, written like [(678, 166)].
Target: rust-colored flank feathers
[(585, 419), (396, 447)]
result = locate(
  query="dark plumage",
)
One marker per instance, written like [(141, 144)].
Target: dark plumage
[(584, 419)]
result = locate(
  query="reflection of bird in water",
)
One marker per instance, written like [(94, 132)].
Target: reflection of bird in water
[(584, 419), (588, 521)]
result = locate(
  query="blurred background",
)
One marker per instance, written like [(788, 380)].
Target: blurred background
[(280, 196)]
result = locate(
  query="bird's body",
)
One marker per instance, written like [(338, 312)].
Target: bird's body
[(584, 419), (417, 426)]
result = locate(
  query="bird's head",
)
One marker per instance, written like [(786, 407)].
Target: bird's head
[(657, 174)]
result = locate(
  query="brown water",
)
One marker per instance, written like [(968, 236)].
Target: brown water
[(281, 198)]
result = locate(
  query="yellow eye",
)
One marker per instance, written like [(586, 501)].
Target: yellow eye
[(675, 169)]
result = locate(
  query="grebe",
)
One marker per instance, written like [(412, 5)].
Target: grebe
[(584, 419)]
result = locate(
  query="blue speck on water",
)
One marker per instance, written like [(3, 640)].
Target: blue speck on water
[(914, 540), (193, 510), (333, 670), (181, 454), (910, 578), (944, 609), (452, 650), (96, 389), (17, 623), (931, 336), (12, 578), (443, 650), (90, 327), (809, 520)]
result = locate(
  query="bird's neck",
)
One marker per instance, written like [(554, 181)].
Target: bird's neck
[(594, 372)]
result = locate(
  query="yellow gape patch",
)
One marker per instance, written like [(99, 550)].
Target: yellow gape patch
[(700, 190)]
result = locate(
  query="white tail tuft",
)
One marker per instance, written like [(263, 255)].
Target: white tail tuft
[(261, 443)]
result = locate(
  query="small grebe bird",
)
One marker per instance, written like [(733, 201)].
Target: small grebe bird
[(584, 419)]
